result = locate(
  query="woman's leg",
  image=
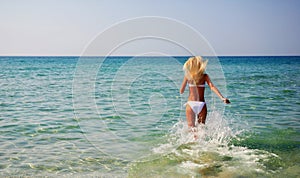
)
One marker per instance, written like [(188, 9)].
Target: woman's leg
[(202, 115), (190, 116)]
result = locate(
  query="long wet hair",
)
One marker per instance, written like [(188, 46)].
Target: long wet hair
[(194, 68)]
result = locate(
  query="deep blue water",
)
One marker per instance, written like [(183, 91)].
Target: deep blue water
[(123, 116)]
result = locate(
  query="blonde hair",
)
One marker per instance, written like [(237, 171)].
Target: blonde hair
[(194, 68)]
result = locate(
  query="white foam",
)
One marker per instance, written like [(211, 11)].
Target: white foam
[(192, 165), (212, 146)]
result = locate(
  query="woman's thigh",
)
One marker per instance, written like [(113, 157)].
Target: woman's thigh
[(190, 116), (202, 115)]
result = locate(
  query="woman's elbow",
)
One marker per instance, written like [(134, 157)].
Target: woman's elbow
[(212, 87), (181, 91)]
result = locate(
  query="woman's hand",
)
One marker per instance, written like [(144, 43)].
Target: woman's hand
[(225, 100)]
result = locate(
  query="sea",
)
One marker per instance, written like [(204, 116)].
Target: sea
[(123, 116)]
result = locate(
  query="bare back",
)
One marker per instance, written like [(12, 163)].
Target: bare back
[(197, 93)]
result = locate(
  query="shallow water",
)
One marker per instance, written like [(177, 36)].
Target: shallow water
[(123, 116)]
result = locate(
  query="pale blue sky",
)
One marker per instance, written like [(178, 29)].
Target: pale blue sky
[(232, 27)]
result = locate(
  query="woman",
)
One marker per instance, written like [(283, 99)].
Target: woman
[(195, 77)]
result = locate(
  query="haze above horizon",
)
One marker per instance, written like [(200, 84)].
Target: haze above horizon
[(231, 28)]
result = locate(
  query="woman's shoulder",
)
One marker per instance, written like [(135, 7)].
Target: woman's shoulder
[(204, 76)]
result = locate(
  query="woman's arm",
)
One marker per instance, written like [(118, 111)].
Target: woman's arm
[(215, 89), (183, 85)]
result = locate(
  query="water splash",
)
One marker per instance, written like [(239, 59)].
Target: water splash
[(211, 154), (215, 133)]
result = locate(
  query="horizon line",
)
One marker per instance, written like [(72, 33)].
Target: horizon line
[(289, 55)]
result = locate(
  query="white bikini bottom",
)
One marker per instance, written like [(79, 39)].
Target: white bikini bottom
[(196, 106)]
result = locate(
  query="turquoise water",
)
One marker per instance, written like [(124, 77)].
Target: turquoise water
[(123, 117)]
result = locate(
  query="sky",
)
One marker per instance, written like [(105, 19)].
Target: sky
[(67, 27)]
